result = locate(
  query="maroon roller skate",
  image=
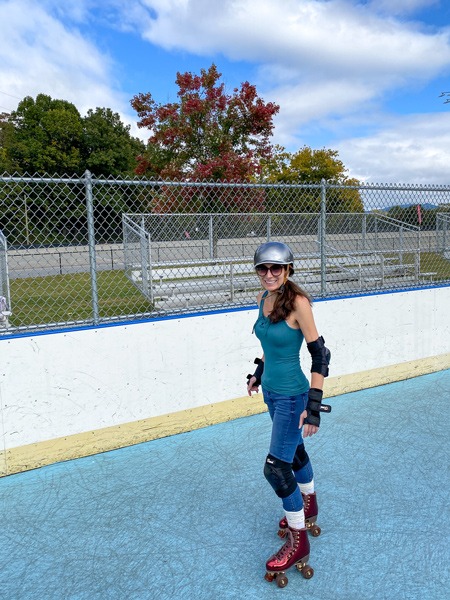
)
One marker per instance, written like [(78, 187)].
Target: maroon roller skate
[(294, 552), (311, 511)]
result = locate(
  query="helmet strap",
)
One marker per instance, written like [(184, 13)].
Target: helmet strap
[(286, 276)]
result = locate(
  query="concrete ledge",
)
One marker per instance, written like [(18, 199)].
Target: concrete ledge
[(24, 458)]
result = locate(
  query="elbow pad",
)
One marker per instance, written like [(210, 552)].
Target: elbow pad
[(320, 355)]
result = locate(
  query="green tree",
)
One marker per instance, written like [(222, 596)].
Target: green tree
[(48, 136), (7, 140), (308, 166), (107, 147)]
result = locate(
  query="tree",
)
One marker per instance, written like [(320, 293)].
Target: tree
[(48, 136), (308, 166), (208, 134), (7, 140), (107, 147)]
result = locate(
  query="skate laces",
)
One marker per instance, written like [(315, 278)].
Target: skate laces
[(287, 548)]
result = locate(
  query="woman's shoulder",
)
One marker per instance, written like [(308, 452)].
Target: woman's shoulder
[(259, 297), (302, 303)]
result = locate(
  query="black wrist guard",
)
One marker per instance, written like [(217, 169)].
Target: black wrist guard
[(320, 355), (258, 373), (314, 407)]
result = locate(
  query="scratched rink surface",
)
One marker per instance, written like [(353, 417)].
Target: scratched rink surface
[(191, 517)]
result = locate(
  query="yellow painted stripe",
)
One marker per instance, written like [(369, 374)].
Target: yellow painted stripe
[(40, 454)]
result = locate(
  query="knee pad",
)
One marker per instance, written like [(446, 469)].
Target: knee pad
[(301, 458), (280, 476)]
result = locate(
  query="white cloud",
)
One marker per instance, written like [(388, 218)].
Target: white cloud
[(324, 62), (335, 38), (308, 103), (413, 149), (318, 60), (39, 55)]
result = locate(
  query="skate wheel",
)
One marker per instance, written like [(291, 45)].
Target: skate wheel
[(315, 531), (281, 580), (307, 572), (282, 533), (269, 576)]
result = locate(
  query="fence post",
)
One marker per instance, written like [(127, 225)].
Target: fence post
[(376, 233), (323, 250), (144, 258), (269, 227), (419, 256), (231, 281), (4, 274), (364, 232), (444, 234), (211, 238), (91, 243), (400, 244)]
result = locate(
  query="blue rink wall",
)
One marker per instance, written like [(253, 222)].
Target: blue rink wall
[(76, 393)]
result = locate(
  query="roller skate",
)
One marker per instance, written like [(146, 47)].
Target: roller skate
[(311, 510), (294, 552)]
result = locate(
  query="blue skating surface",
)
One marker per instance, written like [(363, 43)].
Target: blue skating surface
[(191, 517)]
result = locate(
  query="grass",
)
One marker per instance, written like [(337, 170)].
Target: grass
[(53, 299), (431, 262)]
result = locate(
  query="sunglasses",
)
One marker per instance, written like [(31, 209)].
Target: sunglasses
[(276, 270)]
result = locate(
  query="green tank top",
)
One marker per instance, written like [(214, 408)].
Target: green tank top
[(281, 344)]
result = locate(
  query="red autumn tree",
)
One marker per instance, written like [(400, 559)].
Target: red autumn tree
[(208, 135)]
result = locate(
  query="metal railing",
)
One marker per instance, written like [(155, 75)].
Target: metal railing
[(86, 251), (442, 229)]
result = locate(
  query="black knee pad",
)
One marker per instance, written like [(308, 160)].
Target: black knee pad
[(301, 458), (280, 476)]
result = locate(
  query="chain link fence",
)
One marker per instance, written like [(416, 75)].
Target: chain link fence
[(87, 251)]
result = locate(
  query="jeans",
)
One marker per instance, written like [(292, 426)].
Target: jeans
[(285, 413)]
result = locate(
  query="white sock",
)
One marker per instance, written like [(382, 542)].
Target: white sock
[(307, 488), (296, 519)]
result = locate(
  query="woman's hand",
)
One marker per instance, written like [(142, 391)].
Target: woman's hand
[(251, 386), (308, 430)]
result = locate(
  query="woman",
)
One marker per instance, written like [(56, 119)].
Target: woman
[(285, 319)]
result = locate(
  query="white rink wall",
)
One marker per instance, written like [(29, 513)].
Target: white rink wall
[(68, 383)]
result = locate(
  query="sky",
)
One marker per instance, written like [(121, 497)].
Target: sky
[(363, 78)]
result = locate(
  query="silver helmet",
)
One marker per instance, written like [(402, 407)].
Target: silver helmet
[(276, 253)]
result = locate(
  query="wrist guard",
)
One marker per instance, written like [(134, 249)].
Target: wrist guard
[(258, 373), (320, 355), (314, 407)]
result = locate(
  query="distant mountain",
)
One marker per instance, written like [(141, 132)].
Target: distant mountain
[(426, 206)]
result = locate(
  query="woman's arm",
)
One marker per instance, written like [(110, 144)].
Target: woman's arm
[(305, 319), (251, 387)]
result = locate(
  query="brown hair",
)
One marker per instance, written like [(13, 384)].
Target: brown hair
[(285, 301)]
